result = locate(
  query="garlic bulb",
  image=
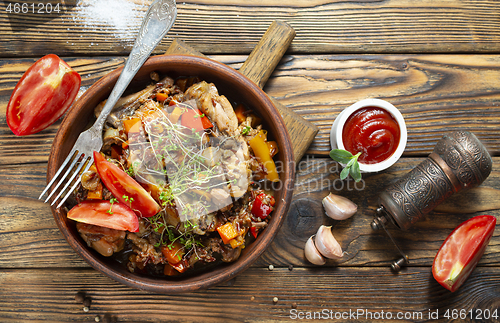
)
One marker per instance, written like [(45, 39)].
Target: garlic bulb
[(338, 207), (326, 243), (312, 254)]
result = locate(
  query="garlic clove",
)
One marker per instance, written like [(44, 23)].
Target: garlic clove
[(326, 243), (338, 207), (312, 254)]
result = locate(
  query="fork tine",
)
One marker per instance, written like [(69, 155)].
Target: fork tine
[(76, 172), (75, 185), (59, 171), (70, 168)]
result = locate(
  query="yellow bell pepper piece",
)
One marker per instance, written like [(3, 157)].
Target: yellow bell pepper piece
[(236, 242), (175, 115), (261, 151)]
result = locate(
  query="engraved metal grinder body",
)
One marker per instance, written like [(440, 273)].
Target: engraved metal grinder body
[(459, 161)]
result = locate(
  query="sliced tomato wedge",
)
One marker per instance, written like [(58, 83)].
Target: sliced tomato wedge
[(42, 95), (125, 188), (462, 250), (103, 213), (194, 119)]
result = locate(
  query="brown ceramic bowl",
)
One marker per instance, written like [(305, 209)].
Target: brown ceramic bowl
[(230, 83)]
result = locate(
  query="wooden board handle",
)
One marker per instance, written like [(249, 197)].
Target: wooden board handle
[(261, 62), (181, 48), (267, 54), (259, 66)]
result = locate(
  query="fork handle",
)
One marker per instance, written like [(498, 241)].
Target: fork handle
[(158, 20)]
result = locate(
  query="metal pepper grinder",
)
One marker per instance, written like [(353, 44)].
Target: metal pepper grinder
[(459, 161)]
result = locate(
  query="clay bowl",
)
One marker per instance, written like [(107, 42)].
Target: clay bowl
[(230, 83)]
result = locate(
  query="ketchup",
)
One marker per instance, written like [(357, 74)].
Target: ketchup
[(372, 131)]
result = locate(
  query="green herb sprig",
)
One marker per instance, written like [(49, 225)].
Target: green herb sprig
[(112, 201), (246, 130), (351, 163), (128, 199)]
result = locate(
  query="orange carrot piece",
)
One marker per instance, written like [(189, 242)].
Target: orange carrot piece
[(173, 252), (95, 194), (240, 113), (168, 270), (160, 96), (132, 125), (236, 242), (227, 232), (273, 148)]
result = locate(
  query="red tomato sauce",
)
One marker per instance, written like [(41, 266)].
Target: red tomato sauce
[(372, 131)]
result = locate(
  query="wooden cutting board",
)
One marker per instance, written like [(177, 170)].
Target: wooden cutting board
[(258, 67)]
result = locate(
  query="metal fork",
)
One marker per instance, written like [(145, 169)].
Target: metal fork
[(158, 20)]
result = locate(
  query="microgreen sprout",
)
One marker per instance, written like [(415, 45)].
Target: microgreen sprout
[(128, 199), (171, 157), (246, 130), (130, 171), (350, 161), (166, 197), (167, 238), (112, 201)]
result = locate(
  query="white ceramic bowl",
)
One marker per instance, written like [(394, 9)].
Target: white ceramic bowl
[(338, 125)]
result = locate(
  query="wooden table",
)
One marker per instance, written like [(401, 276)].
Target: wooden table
[(437, 61)]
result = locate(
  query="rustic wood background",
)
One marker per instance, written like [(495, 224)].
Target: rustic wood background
[(437, 61)]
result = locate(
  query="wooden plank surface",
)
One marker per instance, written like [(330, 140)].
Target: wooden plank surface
[(437, 61), (48, 295), (227, 26), (29, 237), (435, 93)]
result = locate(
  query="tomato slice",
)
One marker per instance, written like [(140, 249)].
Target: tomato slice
[(194, 119), (103, 213), (42, 95), (125, 188), (462, 250)]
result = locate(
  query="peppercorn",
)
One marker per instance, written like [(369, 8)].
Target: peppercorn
[(79, 297), (87, 301)]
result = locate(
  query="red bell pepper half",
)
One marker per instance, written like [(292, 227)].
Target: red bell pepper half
[(462, 250)]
